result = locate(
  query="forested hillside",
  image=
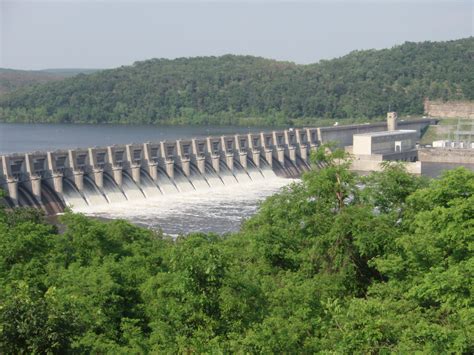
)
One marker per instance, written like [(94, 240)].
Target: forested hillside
[(11, 79), (324, 267), (245, 89)]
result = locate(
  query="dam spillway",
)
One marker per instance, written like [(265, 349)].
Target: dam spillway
[(116, 174)]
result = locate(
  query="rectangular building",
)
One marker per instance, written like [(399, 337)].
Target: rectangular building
[(386, 142)]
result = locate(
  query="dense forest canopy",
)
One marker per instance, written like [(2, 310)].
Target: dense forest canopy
[(244, 89), (324, 266), (11, 80)]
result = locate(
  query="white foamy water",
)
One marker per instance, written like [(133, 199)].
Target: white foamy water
[(216, 209)]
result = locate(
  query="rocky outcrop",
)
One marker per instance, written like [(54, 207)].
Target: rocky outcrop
[(450, 109)]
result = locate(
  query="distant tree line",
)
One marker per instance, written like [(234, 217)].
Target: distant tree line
[(251, 90)]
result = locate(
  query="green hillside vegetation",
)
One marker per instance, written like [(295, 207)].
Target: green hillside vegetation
[(323, 267), (250, 90), (68, 72), (11, 79)]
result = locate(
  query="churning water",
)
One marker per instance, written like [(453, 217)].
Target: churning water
[(216, 209)]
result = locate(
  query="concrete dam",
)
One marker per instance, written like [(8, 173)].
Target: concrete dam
[(95, 176), (106, 175)]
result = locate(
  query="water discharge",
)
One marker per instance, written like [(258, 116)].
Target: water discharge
[(72, 196), (218, 209)]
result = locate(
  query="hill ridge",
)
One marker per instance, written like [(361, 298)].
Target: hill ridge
[(233, 89)]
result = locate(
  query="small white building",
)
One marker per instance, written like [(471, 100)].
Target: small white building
[(384, 143), (441, 144)]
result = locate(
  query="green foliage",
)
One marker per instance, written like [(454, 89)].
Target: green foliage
[(429, 270), (248, 90), (334, 264), (11, 79), (389, 189)]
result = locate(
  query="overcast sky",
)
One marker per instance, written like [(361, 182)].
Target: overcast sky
[(103, 34)]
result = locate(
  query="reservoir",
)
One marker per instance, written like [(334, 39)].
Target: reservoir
[(21, 138)]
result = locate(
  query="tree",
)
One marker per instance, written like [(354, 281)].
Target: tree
[(424, 302), (325, 266), (387, 190)]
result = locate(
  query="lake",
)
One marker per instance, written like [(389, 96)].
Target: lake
[(20, 138)]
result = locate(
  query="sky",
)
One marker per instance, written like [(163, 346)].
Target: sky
[(105, 34)]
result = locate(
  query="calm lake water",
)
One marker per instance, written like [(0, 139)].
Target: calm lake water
[(19, 138)]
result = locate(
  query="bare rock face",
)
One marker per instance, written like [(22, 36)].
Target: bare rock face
[(450, 109)]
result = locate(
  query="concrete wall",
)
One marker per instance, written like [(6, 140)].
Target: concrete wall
[(362, 144), (374, 165), (419, 125), (389, 143), (449, 109), (446, 155), (342, 135)]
